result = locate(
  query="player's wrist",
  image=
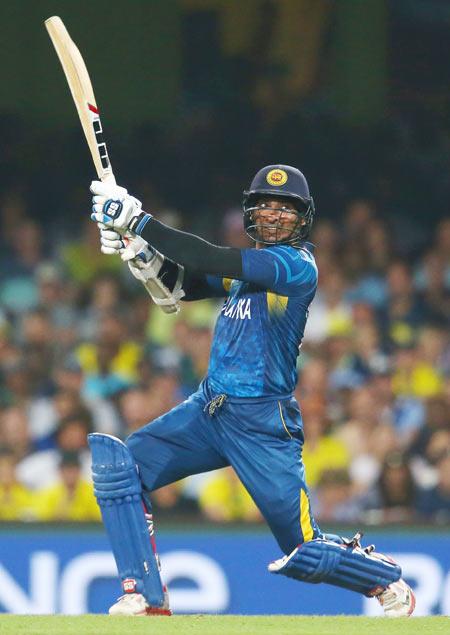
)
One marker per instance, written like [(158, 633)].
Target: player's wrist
[(138, 222)]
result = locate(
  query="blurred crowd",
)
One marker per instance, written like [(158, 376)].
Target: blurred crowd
[(82, 349)]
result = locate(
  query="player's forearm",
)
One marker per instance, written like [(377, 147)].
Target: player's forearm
[(192, 251), (195, 286)]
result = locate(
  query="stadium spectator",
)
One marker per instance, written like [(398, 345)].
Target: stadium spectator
[(393, 499), (367, 438), (433, 282), (404, 311), (313, 377), (223, 498), (405, 413), (58, 297), (71, 498), (82, 260), (15, 431), (135, 408), (105, 297), (17, 384), (8, 350), (322, 450), (18, 289), (39, 347), (431, 439), (15, 499), (441, 246), (40, 469), (333, 499), (330, 313), (433, 503), (110, 363)]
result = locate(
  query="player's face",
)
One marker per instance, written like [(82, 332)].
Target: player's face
[(276, 219)]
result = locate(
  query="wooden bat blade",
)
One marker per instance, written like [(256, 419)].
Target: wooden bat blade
[(83, 95)]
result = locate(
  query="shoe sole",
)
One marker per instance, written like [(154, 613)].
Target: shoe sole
[(413, 603), (150, 610)]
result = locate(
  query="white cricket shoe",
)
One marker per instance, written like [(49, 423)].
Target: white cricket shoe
[(136, 604), (397, 599)]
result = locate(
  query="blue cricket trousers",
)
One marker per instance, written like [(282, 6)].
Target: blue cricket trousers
[(261, 439)]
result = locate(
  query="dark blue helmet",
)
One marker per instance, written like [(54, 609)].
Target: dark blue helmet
[(286, 182)]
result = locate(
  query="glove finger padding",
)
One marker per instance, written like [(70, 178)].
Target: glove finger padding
[(109, 234), (112, 244), (109, 251), (111, 241), (107, 190)]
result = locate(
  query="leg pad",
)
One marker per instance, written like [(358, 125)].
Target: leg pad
[(118, 491), (340, 565)]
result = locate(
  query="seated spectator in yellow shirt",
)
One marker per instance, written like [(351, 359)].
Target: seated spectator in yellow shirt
[(110, 363), (82, 259), (322, 450), (416, 374), (15, 499), (71, 499), (225, 499)]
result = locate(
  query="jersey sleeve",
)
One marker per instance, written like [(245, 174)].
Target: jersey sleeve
[(220, 287), (282, 269)]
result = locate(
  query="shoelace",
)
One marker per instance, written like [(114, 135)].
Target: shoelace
[(215, 403), (387, 597)]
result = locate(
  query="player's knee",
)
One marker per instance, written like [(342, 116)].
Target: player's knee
[(133, 441), (140, 453), (134, 444)]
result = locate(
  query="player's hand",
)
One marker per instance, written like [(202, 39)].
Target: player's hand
[(114, 208), (112, 242)]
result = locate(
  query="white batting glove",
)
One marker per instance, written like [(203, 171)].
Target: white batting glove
[(114, 243), (111, 242), (115, 209)]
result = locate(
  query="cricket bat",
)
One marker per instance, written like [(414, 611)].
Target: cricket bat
[(83, 95)]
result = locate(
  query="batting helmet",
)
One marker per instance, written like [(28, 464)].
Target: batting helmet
[(283, 181)]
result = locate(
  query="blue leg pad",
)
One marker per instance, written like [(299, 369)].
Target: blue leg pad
[(119, 494), (341, 565)]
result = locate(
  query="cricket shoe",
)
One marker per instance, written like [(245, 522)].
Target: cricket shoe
[(397, 599), (136, 604)]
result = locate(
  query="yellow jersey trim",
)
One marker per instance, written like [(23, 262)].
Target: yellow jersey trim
[(276, 303), (305, 517), (226, 283), (283, 421)]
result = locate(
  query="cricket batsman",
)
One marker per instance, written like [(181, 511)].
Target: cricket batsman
[(243, 413)]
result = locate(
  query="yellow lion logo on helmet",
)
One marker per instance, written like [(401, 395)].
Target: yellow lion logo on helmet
[(277, 177)]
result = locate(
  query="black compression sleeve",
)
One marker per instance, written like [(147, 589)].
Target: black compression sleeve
[(195, 286), (192, 251)]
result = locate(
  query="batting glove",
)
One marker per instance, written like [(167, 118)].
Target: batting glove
[(115, 209), (114, 243)]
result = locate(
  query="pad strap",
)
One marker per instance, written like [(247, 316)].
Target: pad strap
[(118, 490), (341, 565)]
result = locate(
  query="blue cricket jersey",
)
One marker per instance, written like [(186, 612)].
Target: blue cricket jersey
[(261, 325)]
